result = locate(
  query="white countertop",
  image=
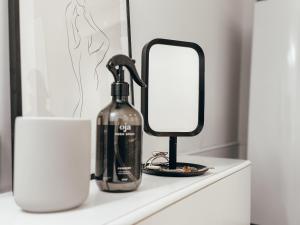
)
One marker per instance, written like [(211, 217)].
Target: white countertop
[(154, 194)]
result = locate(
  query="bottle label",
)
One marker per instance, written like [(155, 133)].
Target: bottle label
[(119, 153)]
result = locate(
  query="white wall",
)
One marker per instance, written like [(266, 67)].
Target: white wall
[(247, 30), (5, 153), (222, 28)]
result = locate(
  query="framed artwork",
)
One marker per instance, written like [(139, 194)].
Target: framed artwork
[(58, 53)]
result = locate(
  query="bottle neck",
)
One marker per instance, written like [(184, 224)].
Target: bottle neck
[(120, 98)]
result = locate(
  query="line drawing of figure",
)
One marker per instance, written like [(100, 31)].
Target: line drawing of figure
[(85, 40)]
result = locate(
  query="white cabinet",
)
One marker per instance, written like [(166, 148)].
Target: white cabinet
[(221, 197), (226, 202)]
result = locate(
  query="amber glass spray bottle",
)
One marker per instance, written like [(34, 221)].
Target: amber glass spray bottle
[(119, 134)]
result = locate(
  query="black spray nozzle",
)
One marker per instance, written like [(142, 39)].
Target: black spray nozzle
[(115, 66)]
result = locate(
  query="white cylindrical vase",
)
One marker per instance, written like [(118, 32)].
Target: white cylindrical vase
[(51, 163)]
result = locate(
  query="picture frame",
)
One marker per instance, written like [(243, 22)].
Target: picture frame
[(50, 40)]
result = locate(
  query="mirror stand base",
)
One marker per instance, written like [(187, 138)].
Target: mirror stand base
[(181, 170), (172, 168)]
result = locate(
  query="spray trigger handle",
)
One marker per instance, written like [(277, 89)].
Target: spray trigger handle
[(115, 66)]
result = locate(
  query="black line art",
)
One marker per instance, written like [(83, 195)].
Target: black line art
[(91, 46)]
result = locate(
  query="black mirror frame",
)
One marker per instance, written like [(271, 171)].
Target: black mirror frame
[(145, 94)]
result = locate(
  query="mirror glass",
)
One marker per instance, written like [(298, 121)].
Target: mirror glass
[(173, 77)]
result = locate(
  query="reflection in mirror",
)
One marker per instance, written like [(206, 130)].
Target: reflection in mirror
[(173, 90)]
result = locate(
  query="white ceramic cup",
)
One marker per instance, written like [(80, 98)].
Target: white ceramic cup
[(51, 163)]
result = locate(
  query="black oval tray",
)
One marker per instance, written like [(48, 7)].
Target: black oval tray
[(166, 172)]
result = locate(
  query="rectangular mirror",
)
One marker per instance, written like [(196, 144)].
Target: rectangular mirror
[(173, 102)]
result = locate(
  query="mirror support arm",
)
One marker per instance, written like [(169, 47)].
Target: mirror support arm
[(172, 152)]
